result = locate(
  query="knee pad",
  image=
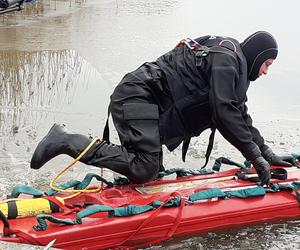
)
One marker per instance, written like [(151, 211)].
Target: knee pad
[(144, 167)]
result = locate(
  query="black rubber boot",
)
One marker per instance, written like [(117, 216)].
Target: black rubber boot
[(58, 141)]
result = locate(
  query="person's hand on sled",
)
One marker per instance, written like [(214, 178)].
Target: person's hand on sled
[(276, 160), (262, 168)]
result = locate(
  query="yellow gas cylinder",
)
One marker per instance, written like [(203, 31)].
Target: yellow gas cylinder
[(20, 208)]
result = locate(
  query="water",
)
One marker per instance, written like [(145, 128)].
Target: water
[(60, 62)]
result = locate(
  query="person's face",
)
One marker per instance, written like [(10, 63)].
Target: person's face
[(265, 67)]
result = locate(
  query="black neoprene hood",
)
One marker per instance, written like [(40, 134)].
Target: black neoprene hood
[(257, 48)]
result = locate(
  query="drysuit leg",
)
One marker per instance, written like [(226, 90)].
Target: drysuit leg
[(102, 154), (135, 117)]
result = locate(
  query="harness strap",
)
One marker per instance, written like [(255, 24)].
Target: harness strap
[(210, 146), (185, 147), (106, 128)]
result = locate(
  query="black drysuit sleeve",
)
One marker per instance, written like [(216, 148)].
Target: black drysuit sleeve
[(257, 138), (231, 122)]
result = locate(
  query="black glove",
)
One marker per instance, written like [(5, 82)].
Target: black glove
[(262, 168), (273, 159)]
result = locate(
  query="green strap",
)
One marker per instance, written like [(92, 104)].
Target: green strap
[(113, 212), (118, 181), (180, 172), (175, 202), (41, 218), (88, 178), (64, 186), (92, 210), (130, 210), (284, 187), (218, 193), (296, 156), (207, 194), (80, 184), (23, 189), (246, 193), (222, 160)]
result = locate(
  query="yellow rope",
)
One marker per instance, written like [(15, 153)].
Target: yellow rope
[(52, 183)]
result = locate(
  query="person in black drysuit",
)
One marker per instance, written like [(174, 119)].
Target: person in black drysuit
[(199, 84)]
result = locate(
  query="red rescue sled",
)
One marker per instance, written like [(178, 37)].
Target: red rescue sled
[(99, 231)]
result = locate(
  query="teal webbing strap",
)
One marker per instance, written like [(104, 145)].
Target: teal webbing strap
[(118, 181), (88, 178), (218, 193), (296, 156), (284, 187), (222, 160), (246, 193), (92, 210), (23, 189), (80, 184), (64, 186), (175, 202), (114, 212), (180, 172), (41, 218), (130, 210), (207, 194)]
